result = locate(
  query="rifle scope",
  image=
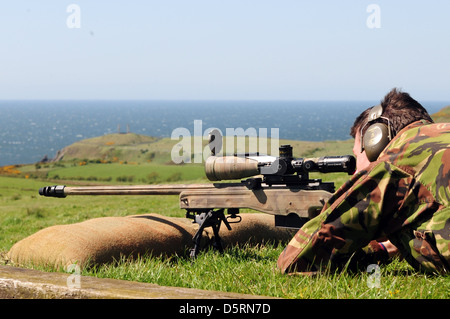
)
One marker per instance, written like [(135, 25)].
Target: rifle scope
[(236, 167)]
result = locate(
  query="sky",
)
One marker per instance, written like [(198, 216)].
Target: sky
[(224, 50)]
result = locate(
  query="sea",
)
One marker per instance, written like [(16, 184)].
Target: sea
[(31, 130)]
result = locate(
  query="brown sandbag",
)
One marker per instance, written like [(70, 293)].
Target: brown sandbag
[(105, 239), (253, 229)]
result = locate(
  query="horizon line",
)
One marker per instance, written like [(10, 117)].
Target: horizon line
[(197, 100)]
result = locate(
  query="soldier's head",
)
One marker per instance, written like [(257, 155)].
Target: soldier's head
[(398, 108)]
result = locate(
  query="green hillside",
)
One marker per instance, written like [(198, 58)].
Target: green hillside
[(128, 147), (443, 116), (135, 148), (138, 149), (138, 159)]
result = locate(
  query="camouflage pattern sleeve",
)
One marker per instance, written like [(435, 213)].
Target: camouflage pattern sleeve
[(404, 196)]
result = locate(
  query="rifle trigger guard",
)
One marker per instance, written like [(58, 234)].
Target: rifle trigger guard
[(239, 217)]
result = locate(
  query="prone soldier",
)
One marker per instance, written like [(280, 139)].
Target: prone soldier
[(397, 201)]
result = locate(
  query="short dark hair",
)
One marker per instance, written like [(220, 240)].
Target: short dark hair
[(401, 110)]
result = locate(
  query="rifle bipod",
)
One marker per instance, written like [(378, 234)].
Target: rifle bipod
[(213, 219)]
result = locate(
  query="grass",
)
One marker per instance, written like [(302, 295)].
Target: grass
[(249, 270), (143, 173)]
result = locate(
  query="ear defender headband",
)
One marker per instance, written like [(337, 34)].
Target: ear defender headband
[(377, 135)]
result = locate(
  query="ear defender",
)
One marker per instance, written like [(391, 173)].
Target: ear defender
[(377, 135)]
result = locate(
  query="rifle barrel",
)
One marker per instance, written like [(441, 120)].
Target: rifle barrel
[(169, 189)]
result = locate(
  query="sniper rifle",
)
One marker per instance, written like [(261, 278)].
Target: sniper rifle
[(279, 186)]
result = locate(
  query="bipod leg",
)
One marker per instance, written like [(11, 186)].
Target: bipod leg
[(208, 219), (199, 219), (217, 243)]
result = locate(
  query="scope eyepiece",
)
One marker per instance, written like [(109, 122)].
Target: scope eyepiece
[(332, 164), (326, 164)]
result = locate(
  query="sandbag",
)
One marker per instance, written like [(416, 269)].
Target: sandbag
[(253, 229), (105, 239)]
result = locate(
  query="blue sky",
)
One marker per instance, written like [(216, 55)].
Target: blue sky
[(212, 49)]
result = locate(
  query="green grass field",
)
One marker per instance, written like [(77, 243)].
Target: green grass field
[(250, 270), (23, 211)]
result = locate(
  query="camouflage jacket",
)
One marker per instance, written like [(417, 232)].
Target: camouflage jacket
[(403, 196)]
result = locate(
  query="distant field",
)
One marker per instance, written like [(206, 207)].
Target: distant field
[(134, 148), (142, 173), (137, 159)]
